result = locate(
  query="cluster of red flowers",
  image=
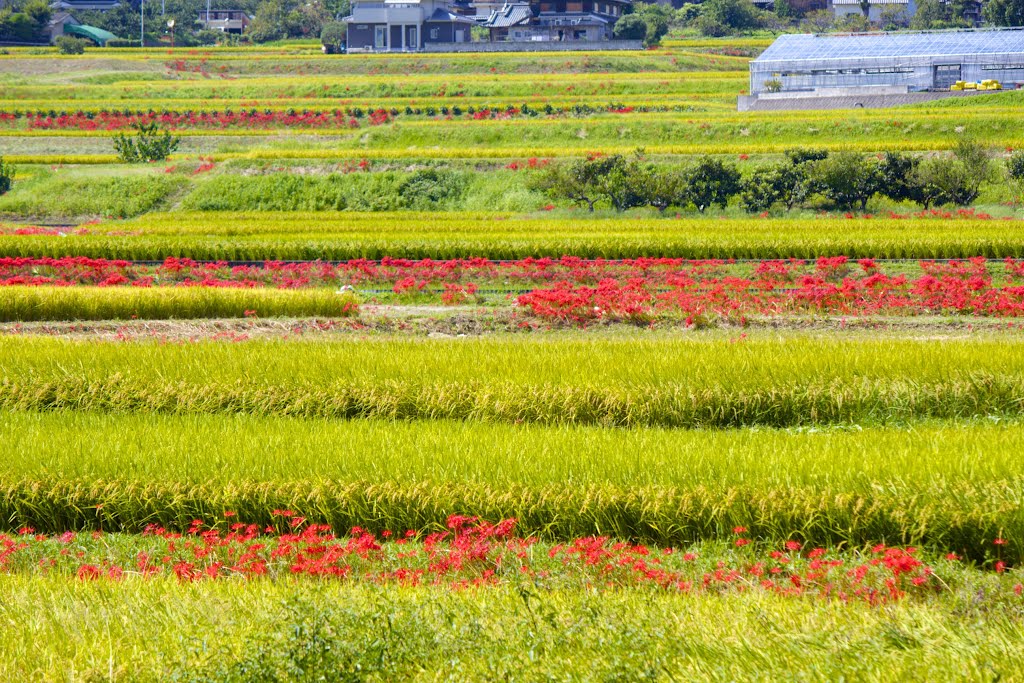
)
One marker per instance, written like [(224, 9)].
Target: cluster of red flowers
[(470, 552), (779, 287)]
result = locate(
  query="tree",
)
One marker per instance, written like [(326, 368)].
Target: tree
[(687, 14), (930, 14), (818, 21), (736, 14), (6, 176), (1005, 12), (333, 35), (664, 188), (976, 160), (25, 24), (847, 179), (899, 177), (269, 22), (712, 181), (631, 27), (1015, 171), (784, 9), (771, 185), (578, 181), (956, 179), (657, 18), (1015, 165), (893, 18)]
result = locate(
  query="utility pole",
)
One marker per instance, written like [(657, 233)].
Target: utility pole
[(142, 23)]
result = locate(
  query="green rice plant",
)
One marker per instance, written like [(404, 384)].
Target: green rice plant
[(948, 485), (340, 236), (22, 304), (657, 381)]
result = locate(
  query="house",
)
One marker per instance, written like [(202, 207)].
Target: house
[(58, 20), (843, 8), (224, 20), (404, 25), (555, 20)]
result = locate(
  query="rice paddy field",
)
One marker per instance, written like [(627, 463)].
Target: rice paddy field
[(336, 393)]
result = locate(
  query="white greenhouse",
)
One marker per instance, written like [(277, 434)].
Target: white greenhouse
[(908, 62)]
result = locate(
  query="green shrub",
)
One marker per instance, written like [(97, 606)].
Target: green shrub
[(431, 188), (426, 189), (148, 144), (68, 197), (6, 176), (631, 27), (121, 42), (69, 45), (1015, 165)]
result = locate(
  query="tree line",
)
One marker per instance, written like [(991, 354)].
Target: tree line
[(844, 180)]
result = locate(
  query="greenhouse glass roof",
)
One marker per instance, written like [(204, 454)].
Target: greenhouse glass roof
[(893, 45)]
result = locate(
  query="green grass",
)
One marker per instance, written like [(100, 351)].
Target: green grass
[(153, 630), (23, 304), (339, 236), (950, 485), (118, 195)]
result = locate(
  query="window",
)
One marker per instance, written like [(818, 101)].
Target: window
[(380, 37), (435, 33), (1001, 67)]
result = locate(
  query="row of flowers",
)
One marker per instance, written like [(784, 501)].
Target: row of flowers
[(577, 289), (347, 117), (474, 552), (676, 272)]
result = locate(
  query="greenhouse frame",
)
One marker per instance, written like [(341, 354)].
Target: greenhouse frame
[(917, 61)]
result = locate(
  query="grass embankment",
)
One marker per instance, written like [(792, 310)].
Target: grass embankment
[(23, 304), (949, 485), (341, 236), (154, 630)]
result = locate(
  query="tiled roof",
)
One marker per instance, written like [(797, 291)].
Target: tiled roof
[(509, 15)]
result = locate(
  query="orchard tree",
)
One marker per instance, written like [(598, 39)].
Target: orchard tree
[(848, 179), (711, 181)]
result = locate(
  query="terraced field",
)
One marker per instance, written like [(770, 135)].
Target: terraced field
[(340, 376)]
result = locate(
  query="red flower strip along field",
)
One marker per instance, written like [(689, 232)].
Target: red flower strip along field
[(576, 289), (474, 552), (350, 117)]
